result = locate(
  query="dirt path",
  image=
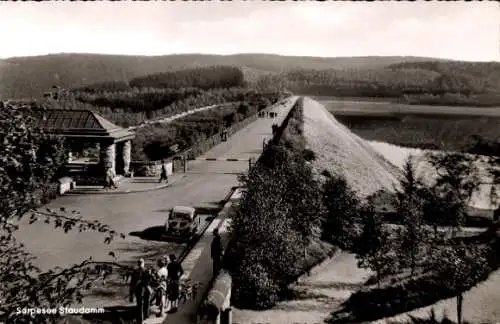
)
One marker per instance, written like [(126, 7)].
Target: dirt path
[(328, 285)]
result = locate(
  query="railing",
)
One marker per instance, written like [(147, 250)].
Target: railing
[(199, 148)]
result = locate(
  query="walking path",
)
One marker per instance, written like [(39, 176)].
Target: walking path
[(177, 116)]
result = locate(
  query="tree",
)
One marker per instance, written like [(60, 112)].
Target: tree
[(343, 212), (457, 179), (461, 267), (410, 207), (413, 234), (374, 248), (29, 161)]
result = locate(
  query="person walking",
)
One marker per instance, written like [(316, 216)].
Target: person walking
[(140, 287), (161, 293), (110, 175), (216, 251), (163, 174), (175, 273)]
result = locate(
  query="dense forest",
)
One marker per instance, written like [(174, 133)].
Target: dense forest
[(127, 105), (431, 82), (30, 77), (203, 78)]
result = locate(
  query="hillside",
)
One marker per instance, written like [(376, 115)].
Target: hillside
[(30, 77), (424, 82), (340, 151)]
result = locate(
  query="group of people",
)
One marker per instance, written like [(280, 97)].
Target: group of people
[(161, 286)]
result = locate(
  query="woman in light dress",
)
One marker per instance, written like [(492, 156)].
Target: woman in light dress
[(162, 275)]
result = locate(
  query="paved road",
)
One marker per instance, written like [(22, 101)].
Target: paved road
[(204, 186)]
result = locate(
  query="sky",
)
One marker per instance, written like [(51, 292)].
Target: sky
[(457, 30)]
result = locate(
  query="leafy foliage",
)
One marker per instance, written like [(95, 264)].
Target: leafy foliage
[(461, 268), (457, 178), (455, 265), (278, 214), (341, 224), (374, 247), (410, 209), (29, 162)]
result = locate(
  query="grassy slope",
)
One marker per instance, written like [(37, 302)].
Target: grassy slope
[(25, 77)]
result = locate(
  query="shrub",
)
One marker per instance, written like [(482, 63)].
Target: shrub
[(308, 155), (254, 288), (275, 221)]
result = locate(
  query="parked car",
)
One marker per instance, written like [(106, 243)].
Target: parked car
[(182, 222)]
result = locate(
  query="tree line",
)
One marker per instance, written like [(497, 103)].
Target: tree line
[(210, 77), (450, 83), (133, 108)]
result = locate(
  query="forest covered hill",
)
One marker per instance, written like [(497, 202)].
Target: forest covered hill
[(30, 77), (424, 82)]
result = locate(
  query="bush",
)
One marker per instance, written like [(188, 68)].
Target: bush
[(308, 155), (254, 288), (275, 222)]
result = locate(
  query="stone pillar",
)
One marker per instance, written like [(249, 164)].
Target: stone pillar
[(126, 154), (108, 156)]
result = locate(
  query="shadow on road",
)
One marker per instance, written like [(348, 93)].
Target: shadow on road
[(155, 233), (201, 210), (115, 314)]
